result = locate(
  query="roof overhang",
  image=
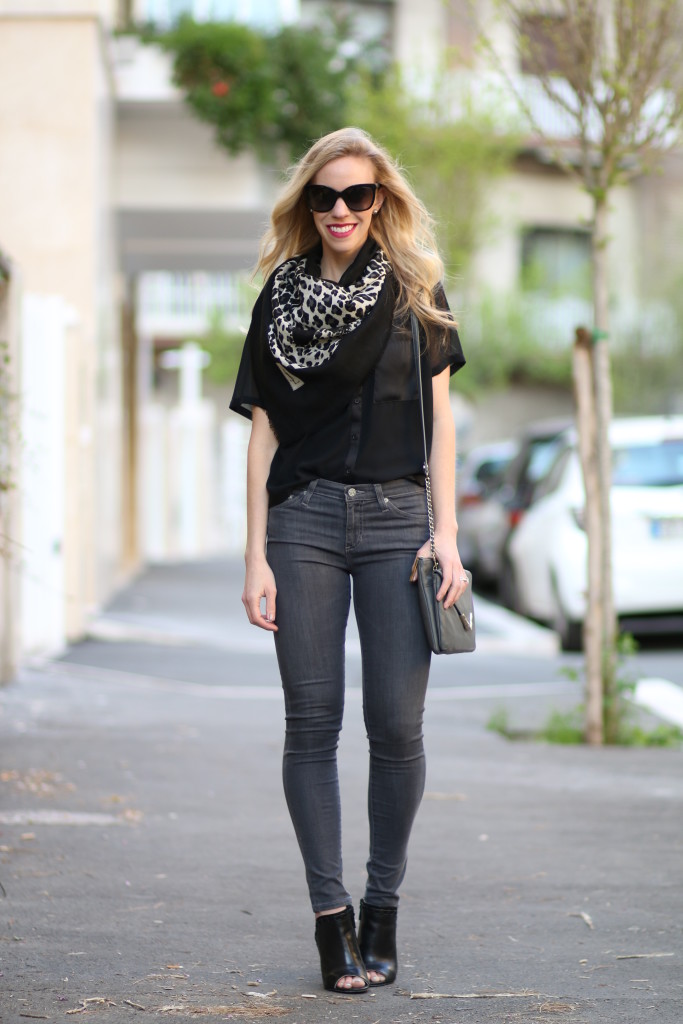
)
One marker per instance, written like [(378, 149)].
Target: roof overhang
[(189, 240)]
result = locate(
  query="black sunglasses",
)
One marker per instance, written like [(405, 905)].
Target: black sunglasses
[(358, 198)]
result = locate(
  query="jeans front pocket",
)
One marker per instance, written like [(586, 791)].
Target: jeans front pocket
[(409, 504)]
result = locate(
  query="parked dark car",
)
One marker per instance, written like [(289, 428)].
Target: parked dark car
[(537, 447), (482, 520)]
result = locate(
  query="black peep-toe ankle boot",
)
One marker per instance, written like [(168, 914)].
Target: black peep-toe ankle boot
[(335, 936), (377, 940)]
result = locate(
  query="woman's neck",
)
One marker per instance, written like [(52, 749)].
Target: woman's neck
[(332, 267)]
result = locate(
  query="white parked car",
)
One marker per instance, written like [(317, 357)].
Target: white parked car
[(547, 553)]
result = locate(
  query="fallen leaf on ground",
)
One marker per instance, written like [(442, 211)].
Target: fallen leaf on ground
[(136, 1006), (38, 781), (226, 1011), (95, 1000), (131, 816)]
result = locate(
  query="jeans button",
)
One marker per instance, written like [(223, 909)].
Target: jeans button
[(352, 492)]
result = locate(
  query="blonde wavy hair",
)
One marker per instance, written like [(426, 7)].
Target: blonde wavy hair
[(403, 228)]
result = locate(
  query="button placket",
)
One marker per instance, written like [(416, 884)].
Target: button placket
[(355, 416)]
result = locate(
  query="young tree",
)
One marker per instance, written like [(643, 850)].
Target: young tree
[(611, 70)]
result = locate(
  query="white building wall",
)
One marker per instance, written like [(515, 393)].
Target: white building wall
[(43, 594), (420, 30)]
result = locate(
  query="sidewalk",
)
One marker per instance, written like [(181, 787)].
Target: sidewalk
[(148, 868)]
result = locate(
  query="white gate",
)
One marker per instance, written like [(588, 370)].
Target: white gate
[(42, 506)]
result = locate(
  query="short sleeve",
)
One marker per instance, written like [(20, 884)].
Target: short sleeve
[(246, 393), (451, 353)]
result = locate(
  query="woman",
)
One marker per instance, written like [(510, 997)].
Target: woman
[(335, 493)]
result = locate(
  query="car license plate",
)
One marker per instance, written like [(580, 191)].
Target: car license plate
[(666, 529)]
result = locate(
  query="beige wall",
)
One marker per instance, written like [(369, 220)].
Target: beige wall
[(660, 225), (420, 29), (166, 158), (103, 9), (55, 211)]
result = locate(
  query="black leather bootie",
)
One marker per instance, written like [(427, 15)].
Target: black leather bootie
[(377, 940), (335, 936)]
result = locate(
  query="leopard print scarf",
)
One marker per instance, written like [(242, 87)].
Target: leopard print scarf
[(311, 315)]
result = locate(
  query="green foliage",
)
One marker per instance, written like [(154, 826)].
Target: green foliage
[(500, 722), (261, 92), (647, 361), (451, 147), (311, 86), (506, 345), (564, 727), (225, 349), (568, 727)]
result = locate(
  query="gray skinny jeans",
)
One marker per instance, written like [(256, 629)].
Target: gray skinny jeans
[(319, 539)]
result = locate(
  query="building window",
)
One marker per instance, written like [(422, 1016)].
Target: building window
[(557, 261)]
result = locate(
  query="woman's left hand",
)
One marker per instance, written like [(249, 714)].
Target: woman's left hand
[(453, 574)]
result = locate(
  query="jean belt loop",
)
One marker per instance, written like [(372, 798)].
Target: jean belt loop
[(309, 492), (380, 497)]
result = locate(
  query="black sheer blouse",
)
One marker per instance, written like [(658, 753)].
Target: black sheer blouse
[(378, 436)]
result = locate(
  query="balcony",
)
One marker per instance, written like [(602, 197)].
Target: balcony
[(179, 306)]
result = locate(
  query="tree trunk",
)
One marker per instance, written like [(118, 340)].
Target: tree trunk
[(603, 401), (586, 421)]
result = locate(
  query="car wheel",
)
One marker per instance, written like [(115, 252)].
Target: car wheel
[(570, 630)]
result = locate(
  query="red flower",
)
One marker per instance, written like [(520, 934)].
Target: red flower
[(220, 88)]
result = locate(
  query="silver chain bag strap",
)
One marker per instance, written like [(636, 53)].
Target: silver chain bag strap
[(448, 630)]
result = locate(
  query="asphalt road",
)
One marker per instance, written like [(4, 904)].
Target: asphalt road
[(147, 861), (186, 622)]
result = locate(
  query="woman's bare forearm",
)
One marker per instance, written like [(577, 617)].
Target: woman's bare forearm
[(442, 457), (262, 447), (259, 582)]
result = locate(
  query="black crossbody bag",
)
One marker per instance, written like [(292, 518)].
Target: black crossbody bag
[(449, 630)]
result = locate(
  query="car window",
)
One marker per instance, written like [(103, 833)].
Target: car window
[(648, 465), (541, 454), (548, 483), (541, 457), (490, 471)]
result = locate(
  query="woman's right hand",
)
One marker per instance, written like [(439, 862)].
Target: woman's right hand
[(259, 582)]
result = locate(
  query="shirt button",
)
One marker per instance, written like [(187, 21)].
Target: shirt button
[(352, 492), (354, 437), (356, 401)]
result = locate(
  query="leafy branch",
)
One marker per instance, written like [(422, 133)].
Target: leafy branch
[(268, 92)]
